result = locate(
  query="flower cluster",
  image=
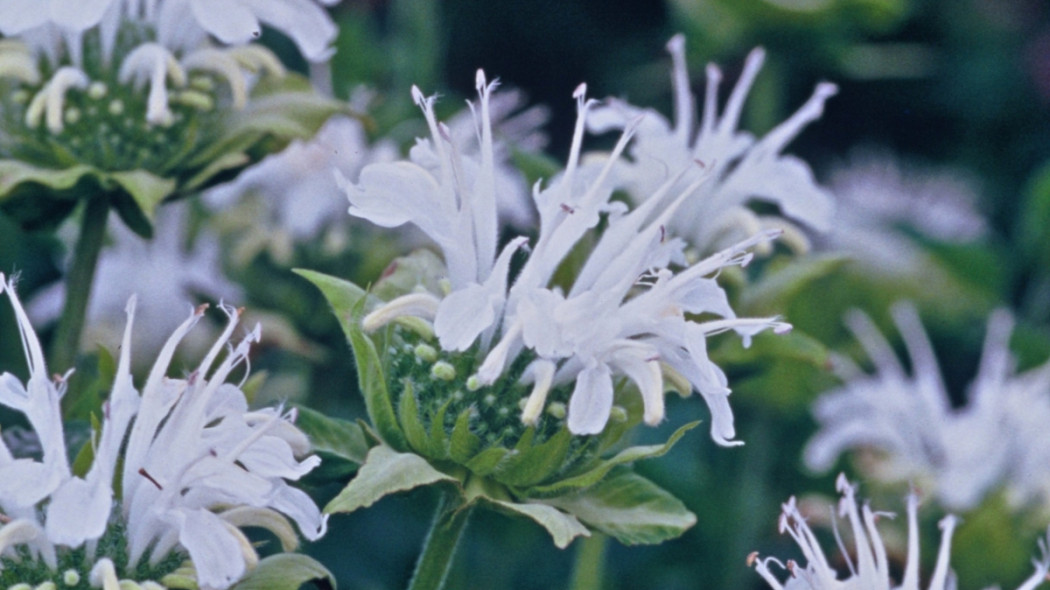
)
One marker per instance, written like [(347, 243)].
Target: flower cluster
[(627, 312), (739, 169), (175, 471), (960, 454), (872, 566), (130, 92)]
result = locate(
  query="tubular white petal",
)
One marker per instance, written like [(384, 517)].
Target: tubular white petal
[(155, 63), (104, 574), (541, 372), (591, 401), (421, 305), (225, 66)]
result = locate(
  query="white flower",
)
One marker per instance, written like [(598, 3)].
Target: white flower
[(293, 196), (869, 567), (197, 465), (876, 196), (740, 168), (959, 454), (624, 315), (163, 271)]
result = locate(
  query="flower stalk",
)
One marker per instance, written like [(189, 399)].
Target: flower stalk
[(81, 275), (439, 548)]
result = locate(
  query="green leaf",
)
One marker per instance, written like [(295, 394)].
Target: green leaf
[(439, 445), (768, 295), (30, 193), (595, 474), (464, 443), (485, 462), (146, 191), (1031, 235), (411, 425), (335, 437), (536, 463), (562, 527), (348, 300), (285, 571), (630, 508), (385, 472)]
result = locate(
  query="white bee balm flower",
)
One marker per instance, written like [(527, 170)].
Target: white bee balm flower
[(197, 466)]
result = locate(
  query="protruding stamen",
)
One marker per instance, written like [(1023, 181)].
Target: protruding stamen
[(144, 473)]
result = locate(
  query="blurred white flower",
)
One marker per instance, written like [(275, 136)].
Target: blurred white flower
[(164, 273), (292, 196), (877, 197), (192, 462), (625, 314), (997, 440), (869, 567), (739, 168)]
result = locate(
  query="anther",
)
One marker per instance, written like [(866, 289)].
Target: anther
[(144, 473)]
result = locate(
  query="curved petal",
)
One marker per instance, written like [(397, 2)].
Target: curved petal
[(591, 401)]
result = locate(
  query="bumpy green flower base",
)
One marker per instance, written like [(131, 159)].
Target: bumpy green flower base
[(435, 394), (74, 566), (104, 125)]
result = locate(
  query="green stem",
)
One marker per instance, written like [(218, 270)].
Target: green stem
[(66, 343), (440, 546), (590, 563)]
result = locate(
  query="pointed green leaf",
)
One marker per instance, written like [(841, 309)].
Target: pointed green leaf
[(335, 437), (384, 472), (464, 443), (629, 507), (770, 294), (408, 415), (438, 437), (484, 463), (595, 473), (285, 571), (562, 527), (146, 190), (348, 300), (536, 463)]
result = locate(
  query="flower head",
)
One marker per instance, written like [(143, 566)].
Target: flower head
[(139, 95), (869, 567), (623, 315), (960, 454), (197, 464), (739, 168)]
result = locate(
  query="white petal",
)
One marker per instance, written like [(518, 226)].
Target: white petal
[(213, 548), (79, 511), (78, 15), (307, 24), (231, 21), (591, 401)]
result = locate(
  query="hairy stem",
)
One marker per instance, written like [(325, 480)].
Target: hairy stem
[(439, 548), (81, 275)]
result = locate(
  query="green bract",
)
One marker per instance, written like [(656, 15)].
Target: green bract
[(429, 423)]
